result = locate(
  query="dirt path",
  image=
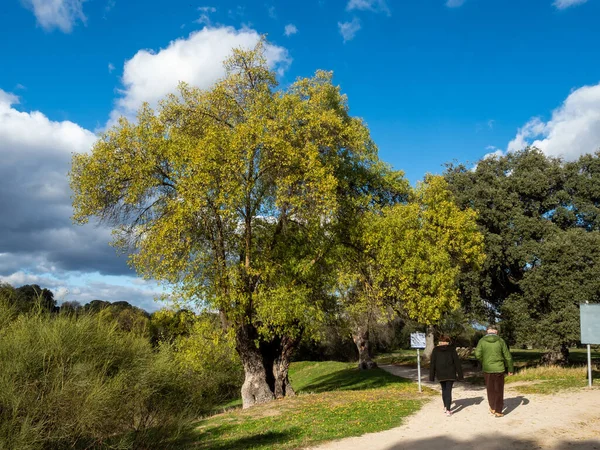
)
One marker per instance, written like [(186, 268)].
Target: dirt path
[(569, 420)]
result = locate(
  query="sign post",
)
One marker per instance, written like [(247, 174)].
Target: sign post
[(590, 331), (589, 348), (418, 341)]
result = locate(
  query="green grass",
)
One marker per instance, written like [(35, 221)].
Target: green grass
[(550, 379), (531, 378), (398, 357), (523, 358), (335, 400)]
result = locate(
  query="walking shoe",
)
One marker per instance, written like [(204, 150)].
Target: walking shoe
[(448, 412), (498, 414), (492, 411)]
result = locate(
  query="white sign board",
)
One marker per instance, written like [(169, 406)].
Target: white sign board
[(590, 323), (417, 340)]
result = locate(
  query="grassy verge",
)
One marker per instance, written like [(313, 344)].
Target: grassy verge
[(526, 358), (335, 401), (398, 357), (550, 379)]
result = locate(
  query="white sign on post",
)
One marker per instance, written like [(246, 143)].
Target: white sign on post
[(418, 341), (590, 331)]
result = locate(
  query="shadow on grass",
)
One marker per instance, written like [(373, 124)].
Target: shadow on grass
[(215, 438), (464, 403), (354, 380)]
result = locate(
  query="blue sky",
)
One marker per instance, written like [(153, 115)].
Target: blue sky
[(435, 80)]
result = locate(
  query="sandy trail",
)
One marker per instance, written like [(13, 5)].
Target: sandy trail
[(568, 420)]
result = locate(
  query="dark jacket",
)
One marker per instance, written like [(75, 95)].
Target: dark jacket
[(493, 353), (445, 364)]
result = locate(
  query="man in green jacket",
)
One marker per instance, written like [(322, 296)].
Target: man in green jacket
[(495, 359)]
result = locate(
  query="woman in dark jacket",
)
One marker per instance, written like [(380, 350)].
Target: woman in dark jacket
[(446, 366)]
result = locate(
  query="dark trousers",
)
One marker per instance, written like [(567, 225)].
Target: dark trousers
[(494, 382), (447, 393)]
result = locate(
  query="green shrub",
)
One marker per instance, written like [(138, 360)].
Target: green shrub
[(207, 357), (78, 382)]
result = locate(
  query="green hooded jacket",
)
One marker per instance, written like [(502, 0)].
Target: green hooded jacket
[(493, 353)]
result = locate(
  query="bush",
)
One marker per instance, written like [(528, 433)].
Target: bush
[(78, 382), (208, 359)]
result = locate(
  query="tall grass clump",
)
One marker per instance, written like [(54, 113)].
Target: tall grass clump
[(71, 381)]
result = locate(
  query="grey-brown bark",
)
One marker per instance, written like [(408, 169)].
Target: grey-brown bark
[(255, 389), (265, 367), (361, 339), (429, 341), (556, 357), (282, 385)]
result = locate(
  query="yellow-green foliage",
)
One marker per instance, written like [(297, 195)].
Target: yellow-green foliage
[(230, 193), (419, 249), (208, 355), (70, 381)]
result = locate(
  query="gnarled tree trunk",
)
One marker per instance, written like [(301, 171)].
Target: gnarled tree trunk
[(556, 357), (429, 342), (282, 386), (361, 339), (265, 367), (255, 389)]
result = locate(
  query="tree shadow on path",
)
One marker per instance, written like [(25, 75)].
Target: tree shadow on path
[(487, 442)]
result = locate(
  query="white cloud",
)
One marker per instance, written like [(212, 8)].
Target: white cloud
[(349, 29), (110, 4), (290, 29), (51, 139), (204, 18), (197, 60), (368, 5), (272, 12), (564, 4), (495, 153), (35, 223), (239, 11), (38, 242), (61, 14), (574, 128), (111, 67), (7, 99), (454, 3)]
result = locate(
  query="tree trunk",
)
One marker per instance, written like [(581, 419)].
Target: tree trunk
[(556, 357), (265, 367), (429, 342), (255, 389), (361, 339), (282, 387)]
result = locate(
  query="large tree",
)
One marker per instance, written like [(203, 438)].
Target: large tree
[(539, 216), (517, 197), (410, 259), (563, 272), (232, 195)]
